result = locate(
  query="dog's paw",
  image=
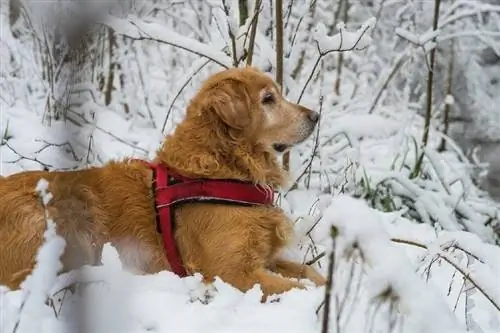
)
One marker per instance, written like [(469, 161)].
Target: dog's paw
[(203, 294), (314, 276)]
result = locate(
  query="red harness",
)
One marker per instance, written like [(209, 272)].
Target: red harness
[(171, 189)]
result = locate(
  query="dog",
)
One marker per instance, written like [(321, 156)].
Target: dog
[(234, 129)]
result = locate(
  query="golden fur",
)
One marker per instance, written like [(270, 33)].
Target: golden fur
[(233, 128)]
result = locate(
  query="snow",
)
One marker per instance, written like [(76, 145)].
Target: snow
[(144, 302), (138, 29), (344, 40), (36, 287), (41, 188), (414, 255), (359, 227), (421, 40)]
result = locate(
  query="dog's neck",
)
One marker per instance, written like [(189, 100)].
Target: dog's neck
[(193, 150)]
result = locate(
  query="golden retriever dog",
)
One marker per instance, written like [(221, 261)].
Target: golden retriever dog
[(235, 127)]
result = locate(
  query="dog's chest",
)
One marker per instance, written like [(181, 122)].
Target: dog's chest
[(233, 223)]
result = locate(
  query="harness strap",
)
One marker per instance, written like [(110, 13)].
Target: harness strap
[(165, 220), (170, 189), (210, 190)]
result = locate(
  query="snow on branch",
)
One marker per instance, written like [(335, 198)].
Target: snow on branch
[(344, 40), (390, 274), (425, 40), (453, 14), (138, 29), (431, 203), (472, 9), (481, 275), (340, 42)]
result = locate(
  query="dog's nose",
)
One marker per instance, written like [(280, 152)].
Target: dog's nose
[(313, 116)]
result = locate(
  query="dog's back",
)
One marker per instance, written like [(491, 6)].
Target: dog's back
[(85, 206), (23, 221)]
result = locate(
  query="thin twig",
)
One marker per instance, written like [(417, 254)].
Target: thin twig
[(145, 36), (398, 64), (188, 79), (340, 63), (232, 37), (430, 78), (324, 53), (329, 283), (253, 32), (84, 120), (446, 258), (447, 106)]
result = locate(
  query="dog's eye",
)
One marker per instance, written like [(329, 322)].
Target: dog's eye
[(268, 98)]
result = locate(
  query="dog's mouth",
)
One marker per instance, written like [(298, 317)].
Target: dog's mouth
[(280, 147), (304, 133)]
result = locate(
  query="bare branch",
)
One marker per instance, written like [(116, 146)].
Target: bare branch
[(186, 80), (322, 52), (137, 29), (329, 283), (253, 32)]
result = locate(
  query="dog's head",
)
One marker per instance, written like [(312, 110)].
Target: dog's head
[(245, 104)]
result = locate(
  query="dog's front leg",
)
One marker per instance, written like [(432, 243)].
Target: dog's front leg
[(270, 284), (292, 269)]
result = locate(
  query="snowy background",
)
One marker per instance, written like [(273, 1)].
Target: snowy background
[(401, 216)]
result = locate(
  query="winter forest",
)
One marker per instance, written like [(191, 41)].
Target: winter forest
[(395, 197)]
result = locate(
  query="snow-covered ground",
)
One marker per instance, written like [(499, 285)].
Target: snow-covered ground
[(410, 254), (381, 261)]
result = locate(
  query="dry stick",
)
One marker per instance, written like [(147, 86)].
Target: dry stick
[(279, 42), (143, 86), (87, 122), (423, 246), (184, 85), (467, 304), (459, 295), (146, 36), (14, 7), (329, 283), (355, 296), (340, 63), (243, 5), (69, 147), (289, 12), (379, 12), (246, 34), (111, 71), (341, 307), (464, 274), (450, 285), (467, 276), (300, 62), (447, 106), (296, 31), (445, 258), (253, 32), (315, 259), (316, 142), (428, 113), (232, 37), (279, 62), (269, 29), (336, 16), (403, 57), (324, 53)]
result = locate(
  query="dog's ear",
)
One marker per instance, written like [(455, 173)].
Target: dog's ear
[(230, 102)]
